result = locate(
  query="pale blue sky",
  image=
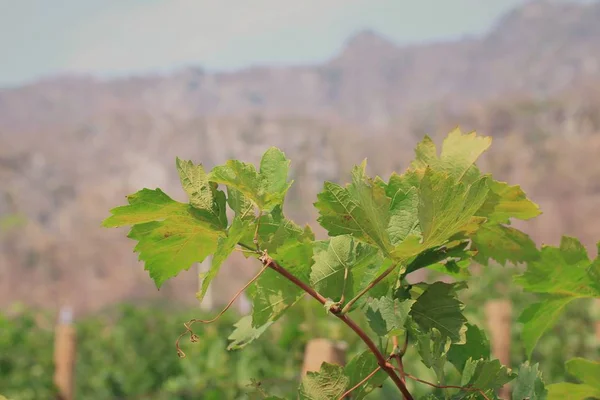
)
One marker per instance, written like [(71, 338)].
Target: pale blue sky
[(116, 37)]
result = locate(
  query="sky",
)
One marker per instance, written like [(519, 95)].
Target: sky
[(107, 38)]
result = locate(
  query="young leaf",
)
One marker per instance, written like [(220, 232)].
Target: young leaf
[(195, 183), (560, 271), (171, 235), (487, 375), (505, 202), (447, 207), (361, 209), (266, 188), (327, 384), (245, 333), (387, 316), (272, 294), (539, 317), (459, 153), (358, 369), (224, 248), (439, 308), (572, 391), (586, 371), (476, 346), (529, 384), (502, 243), (340, 265), (433, 348)]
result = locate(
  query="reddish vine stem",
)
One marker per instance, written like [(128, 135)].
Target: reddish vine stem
[(335, 310), (353, 388), (465, 388)]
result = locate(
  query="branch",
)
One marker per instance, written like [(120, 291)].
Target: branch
[(359, 383), (335, 310), (465, 388)]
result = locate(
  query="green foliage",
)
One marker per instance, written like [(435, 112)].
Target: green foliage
[(562, 274), (586, 371), (441, 213)]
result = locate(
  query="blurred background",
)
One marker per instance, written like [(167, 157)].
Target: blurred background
[(97, 98)]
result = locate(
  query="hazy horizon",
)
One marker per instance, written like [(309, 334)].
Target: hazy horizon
[(120, 38)]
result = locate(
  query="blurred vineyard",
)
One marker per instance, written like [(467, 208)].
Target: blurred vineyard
[(128, 352)]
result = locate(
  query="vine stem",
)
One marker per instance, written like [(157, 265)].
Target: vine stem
[(465, 388), (381, 360)]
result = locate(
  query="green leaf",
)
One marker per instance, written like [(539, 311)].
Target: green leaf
[(502, 243), (275, 230), (266, 188), (361, 209), (459, 153), (560, 271), (224, 248), (572, 391), (447, 207), (487, 375), (433, 348), (439, 308), (243, 208), (272, 294), (246, 333), (586, 371), (476, 346), (327, 384), (529, 384), (171, 235), (387, 316), (505, 202), (341, 265), (358, 369), (539, 317), (195, 183)]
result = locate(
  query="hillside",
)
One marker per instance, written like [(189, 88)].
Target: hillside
[(73, 147)]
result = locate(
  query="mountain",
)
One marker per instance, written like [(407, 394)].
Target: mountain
[(72, 147)]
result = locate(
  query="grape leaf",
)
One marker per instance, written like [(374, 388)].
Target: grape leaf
[(327, 384), (502, 243), (358, 369), (433, 348), (439, 308), (529, 383), (266, 188), (272, 294), (361, 209), (487, 375), (459, 153), (387, 316), (275, 230), (560, 270), (340, 265), (245, 333), (476, 346), (572, 391), (539, 317), (171, 235), (447, 207), (333, 380), (224, 248), (586, 371), (243, 208), (505, 202)]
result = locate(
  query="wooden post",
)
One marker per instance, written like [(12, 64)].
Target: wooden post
[(323, 350), (499, 315), (64, 355), (207, 301)]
